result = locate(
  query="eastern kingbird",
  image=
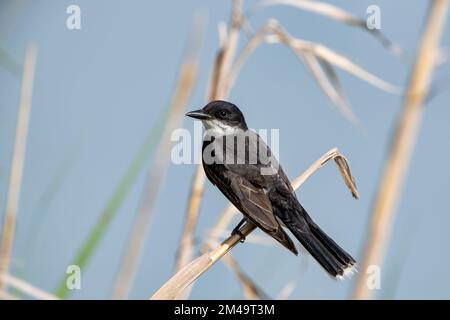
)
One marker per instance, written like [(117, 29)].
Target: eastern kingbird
[(241, 165)]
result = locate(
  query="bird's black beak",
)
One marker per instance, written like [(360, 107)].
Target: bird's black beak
[(199, 114)]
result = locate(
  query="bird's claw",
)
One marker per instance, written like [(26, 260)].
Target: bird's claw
[(240, 234)]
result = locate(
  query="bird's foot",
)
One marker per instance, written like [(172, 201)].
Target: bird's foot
[(239, 233), (237, 230)]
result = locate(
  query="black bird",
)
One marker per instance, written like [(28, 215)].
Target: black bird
[(241, 165)]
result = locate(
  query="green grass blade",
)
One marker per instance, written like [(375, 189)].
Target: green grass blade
[(10, 64), (121, 191)]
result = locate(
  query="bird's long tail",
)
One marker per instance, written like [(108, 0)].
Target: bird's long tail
[(328, 253)]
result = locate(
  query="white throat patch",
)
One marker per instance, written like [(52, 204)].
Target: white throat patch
[(217, 128)]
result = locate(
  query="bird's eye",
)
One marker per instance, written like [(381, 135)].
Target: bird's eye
[(223, 113)]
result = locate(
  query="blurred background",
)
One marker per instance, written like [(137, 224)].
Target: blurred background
[(100, 92)]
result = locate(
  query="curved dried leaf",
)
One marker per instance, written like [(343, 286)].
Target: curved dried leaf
[(338, 14)]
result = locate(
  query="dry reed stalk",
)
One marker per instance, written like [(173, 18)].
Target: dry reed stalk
[(18, 159), (335, 13), (187, 275), (249, 287), (320, 61), (342, 164), (286, 291), (272, 32), (27, 288), (226, 54), (135, 243), (318, 7), (186, 248), (185, 251), (221, 65), (389, 190)]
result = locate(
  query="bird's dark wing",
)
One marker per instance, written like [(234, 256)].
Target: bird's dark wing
[(250, 199), (264, 198)]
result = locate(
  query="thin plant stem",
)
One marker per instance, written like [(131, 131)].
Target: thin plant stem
[(399, 157), (17, 165), (135, 243), (191, 272)]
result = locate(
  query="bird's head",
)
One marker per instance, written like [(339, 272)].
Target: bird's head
[(220, 116)]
